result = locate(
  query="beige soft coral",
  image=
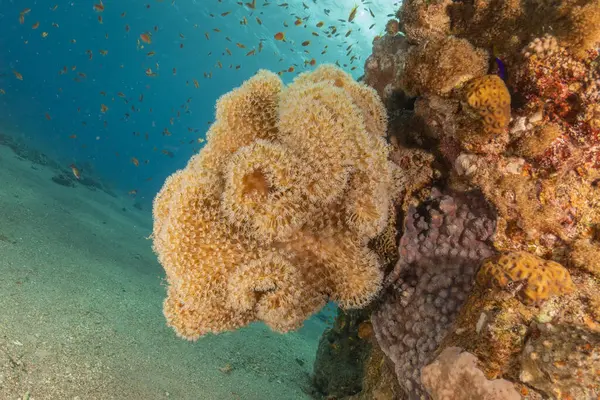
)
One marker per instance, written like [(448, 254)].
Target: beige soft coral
[(272, 218)]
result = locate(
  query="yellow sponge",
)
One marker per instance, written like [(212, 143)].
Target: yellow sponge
[(541, 279), (487, 97)]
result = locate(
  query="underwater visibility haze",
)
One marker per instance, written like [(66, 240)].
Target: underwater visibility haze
[(318, 199), (100, 101)]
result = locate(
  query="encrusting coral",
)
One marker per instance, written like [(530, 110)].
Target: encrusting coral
[(272, 218), (562, 361), (454, 376)]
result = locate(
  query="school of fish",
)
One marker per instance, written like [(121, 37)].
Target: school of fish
[(340, 32)]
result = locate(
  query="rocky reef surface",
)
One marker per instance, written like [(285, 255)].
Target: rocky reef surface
[(494, 121)]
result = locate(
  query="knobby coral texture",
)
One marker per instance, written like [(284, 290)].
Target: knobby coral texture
[(444, 241), (504, 98), (273, 217)]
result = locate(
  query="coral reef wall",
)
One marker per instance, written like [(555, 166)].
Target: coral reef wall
[(273, 217), (444, 241), (493, 109)]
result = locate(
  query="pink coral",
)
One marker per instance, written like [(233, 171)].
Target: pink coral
[(454, 376)]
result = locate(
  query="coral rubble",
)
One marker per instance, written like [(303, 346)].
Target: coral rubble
[(273, 217)]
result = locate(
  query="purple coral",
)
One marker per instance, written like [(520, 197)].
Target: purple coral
[(444, 241)]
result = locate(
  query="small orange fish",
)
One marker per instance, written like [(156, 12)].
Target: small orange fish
[(73, 136), (251, 52), (100, 19), (146, 37), (258, 21), (279, 36), (2, 91), (21, 19), (36, 25), (320, 24), (348, 33), (151, 53), (44, 34), (241, 46), (103, 108), (48, 117), (251, 5), (132, 192), (196, 84), (123, 14), (150, 73), (26, 11), (121, 94), (18, 75), (291, 69), (181, 36), (352, 13), (104, 52), (99, 7), (298, 22), (75, 170), (54, 8), (135, 161), (306, 43), (206, 36), (312, 62), (225, 14)]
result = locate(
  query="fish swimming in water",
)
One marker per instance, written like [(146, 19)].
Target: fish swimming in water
[(499, 64), (76, 171)]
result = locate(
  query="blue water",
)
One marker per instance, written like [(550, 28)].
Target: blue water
[(57, 104)]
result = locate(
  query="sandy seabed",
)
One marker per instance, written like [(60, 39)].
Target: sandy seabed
[(81, 308)]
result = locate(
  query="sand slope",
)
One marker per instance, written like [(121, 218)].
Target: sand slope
[(80, 308)]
